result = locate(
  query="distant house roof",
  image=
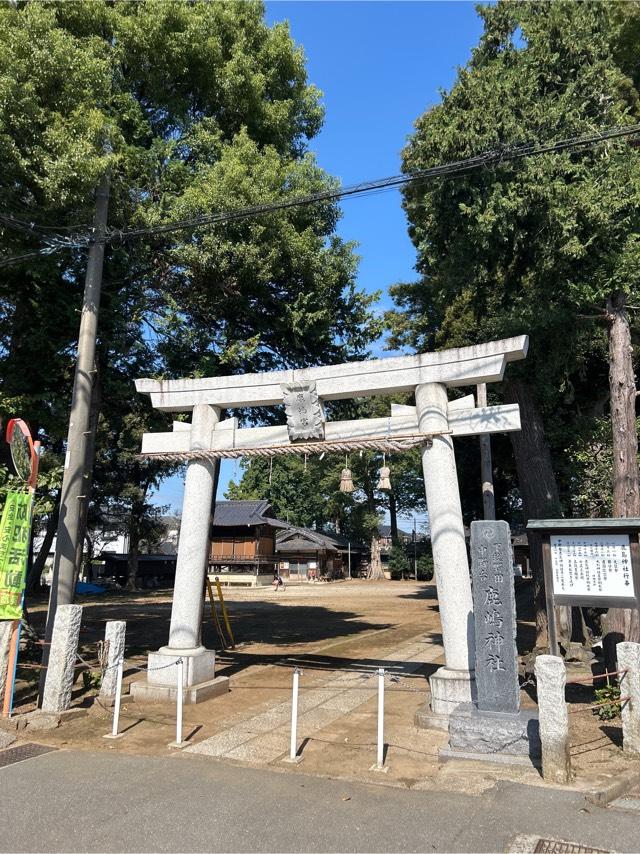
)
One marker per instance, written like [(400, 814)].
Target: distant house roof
[(232, 514), (167, 548), (385, 531), (300, 539)]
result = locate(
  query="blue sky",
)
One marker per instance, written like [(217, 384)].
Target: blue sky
[(380, 65)]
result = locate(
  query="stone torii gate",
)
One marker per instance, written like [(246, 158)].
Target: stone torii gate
[(432, 424)]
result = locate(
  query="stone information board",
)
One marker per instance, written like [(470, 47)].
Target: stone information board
[(591, 565), (495, 617)]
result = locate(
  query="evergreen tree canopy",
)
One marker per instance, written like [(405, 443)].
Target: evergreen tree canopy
[(191, 108), (536, 245)]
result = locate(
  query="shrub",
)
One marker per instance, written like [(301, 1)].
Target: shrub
[(399, 565), (425, 567)]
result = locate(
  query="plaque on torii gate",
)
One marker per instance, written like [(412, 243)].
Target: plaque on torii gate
[(431, 424)]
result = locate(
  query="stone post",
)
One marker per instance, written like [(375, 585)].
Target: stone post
[(62, 658), (188, 592), (629, 659), (551, 679), (114, 635), (454, 683)]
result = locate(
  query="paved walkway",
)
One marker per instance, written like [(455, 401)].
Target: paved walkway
[(263, 738), (86, 802)]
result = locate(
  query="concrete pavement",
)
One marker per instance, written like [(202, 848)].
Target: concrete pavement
[(72, 801)]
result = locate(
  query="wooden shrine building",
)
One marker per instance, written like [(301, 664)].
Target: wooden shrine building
[(242, 549), (307, 554)]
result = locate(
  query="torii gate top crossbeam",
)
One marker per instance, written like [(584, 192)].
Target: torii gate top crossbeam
[(461, 366)]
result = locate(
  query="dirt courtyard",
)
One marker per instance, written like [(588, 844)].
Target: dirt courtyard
[(338, 634)]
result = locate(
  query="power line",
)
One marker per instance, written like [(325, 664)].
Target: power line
[(33, 227), (15, 259), (49, 247), (489, 158), (19, 225)]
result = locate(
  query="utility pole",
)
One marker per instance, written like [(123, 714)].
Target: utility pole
[(76, 482), (486, 469), (415, 556)]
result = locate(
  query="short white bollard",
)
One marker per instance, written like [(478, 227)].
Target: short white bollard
[(380, 766), (116, 708), (293, 748), (179, 701)]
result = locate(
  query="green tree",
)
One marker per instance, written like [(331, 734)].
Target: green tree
[(193, 108), (546, 245), (399, 564), (307, 492), (425, 567)]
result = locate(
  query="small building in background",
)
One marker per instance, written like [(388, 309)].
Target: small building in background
[(385, 537), (243, 549), (154, 570), (310, 555)]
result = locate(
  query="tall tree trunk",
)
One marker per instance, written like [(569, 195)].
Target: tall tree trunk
[(375, 569), (132, 557), (622, 623), (393, 514), (538, 486), (38, 564)]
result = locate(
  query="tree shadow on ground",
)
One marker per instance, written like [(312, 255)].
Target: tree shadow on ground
[(283, 625), (365, 666), (429, 592), (272, 623), (233, 661), (269, 623), (266, 623)]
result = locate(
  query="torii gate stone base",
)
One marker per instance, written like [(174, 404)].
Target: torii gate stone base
[(431, 424)]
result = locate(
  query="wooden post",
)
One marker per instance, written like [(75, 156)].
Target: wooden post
[(224, 613), (552, 631), (486, 468), (214, 613)]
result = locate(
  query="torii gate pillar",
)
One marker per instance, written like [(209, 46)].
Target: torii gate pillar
[(186, 612), (454, 683)]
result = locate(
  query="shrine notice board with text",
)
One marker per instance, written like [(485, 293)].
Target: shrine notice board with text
[(591, 562)]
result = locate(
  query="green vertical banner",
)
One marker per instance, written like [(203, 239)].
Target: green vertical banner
[(14, 551)]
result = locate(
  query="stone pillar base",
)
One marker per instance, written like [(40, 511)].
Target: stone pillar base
[(198, 666), (494, 736), (146, 692), (449, 688), (198, 676)]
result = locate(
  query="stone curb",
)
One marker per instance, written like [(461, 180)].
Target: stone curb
[(6, 739), (16, 722), (39, 720), (618, 787)]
